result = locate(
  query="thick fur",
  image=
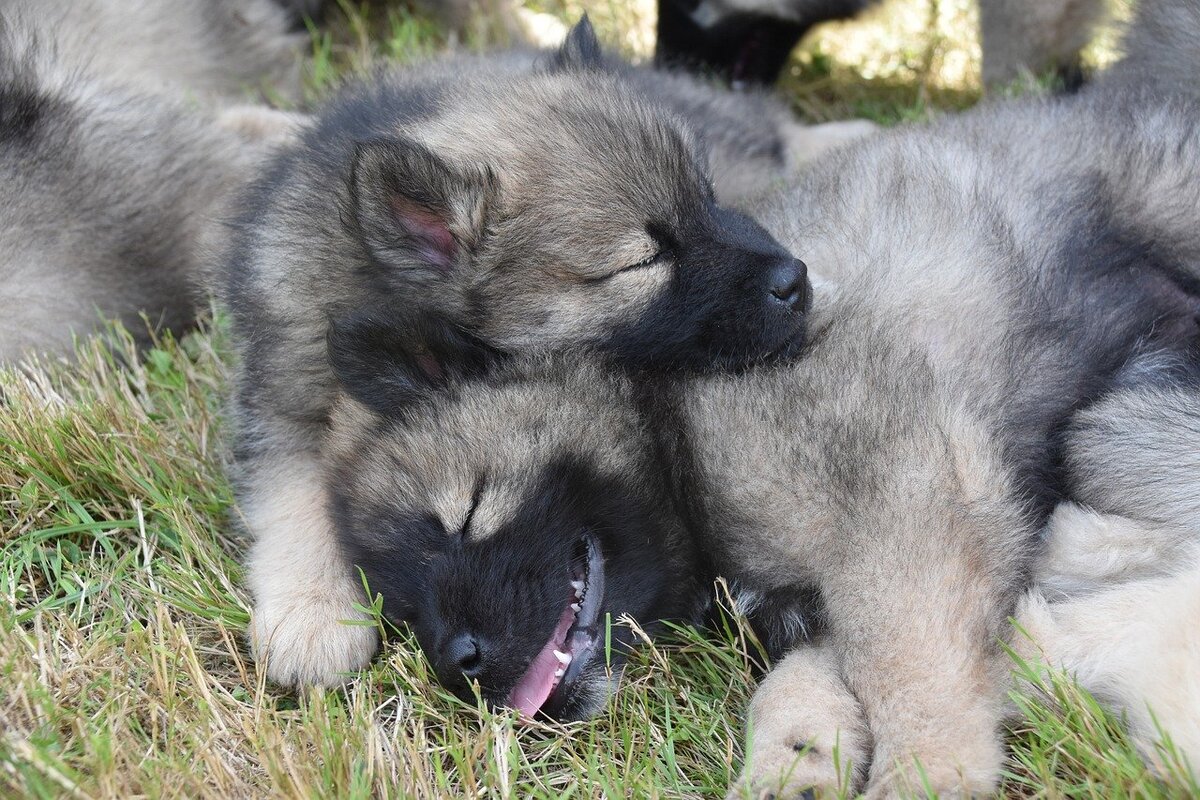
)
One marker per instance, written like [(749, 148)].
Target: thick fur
[(981, 293), (534, 204), (1119, 590), (187, 49), (483, 542), (111, 200), (749, 41), (1114, 602)]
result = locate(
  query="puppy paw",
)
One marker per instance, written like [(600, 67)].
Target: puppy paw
[(306, 641), (788, 768), (806, 142), (808, 737), (949, 775)]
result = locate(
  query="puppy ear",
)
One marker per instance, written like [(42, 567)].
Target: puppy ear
[(412, 208), (389, 360), (580, 50)]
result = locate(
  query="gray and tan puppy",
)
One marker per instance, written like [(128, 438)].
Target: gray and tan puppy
[(1115, 597), (111, 198), (886, 489), (534, 204)]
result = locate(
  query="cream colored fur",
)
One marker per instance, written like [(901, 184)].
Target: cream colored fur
[(306, 626)]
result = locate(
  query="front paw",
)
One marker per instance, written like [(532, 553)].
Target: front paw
[(950, 774), (307, 641), (790, 768)]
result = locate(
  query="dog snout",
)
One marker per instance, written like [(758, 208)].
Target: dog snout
[(462, 654), (788, 284)]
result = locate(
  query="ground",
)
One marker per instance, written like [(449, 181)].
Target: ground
[(123, 664)]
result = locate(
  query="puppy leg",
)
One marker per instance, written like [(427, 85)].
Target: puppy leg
[(1133, 643), (806, 733), (917, 644), (304, 590), (1136, 648), (1026, 36), (260, 125), (1086, 550)]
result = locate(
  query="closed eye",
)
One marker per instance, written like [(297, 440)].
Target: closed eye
[(476, 496), (652, 260), (659, 258)]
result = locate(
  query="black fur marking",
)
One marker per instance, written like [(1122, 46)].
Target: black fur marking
[(21, 109), (717, 314), (508, 590), (389, 359), (744, 48), (1111, 296)]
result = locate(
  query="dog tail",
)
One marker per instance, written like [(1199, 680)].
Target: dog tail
[(1161, 46), (1136, 453)]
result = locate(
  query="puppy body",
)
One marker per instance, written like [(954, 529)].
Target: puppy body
[(1115, 595), (111, 199)]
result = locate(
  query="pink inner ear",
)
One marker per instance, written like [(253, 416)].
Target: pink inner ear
[(430, 366), (435, 243)]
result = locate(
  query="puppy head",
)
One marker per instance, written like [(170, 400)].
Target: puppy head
[(507, 517), (557, 207)]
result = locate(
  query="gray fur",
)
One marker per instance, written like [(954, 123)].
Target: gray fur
[(505, 195), (1137, 454), (187, 49), (987, 277), (110, 199)]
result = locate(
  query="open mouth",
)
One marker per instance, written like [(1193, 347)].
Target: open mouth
[(573, 641)]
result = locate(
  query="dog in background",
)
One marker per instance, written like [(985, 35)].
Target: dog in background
[(749, 41)]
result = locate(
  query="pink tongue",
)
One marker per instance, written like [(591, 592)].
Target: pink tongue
[(538, 682)]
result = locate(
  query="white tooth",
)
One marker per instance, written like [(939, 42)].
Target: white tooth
[(563, 658), (576, 607), (577, 586), (558, 673)]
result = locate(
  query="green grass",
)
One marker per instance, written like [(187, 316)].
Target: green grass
[(123, 665)]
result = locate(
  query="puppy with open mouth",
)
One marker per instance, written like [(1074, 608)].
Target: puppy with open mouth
[(507, 554)]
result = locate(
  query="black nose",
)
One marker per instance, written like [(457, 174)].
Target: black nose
[(464, 654), (789, 284)]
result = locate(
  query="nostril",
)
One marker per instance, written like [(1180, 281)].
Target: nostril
[(462, 652), (789, 284), (801, 269)]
